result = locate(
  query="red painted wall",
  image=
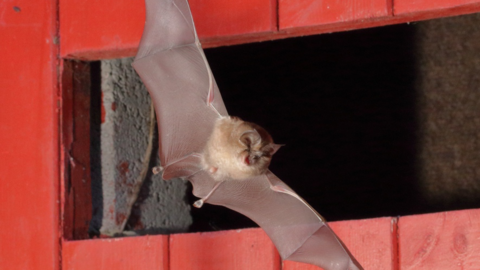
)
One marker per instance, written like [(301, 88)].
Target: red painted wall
[(90, 29), (29, 104), (447, 240)]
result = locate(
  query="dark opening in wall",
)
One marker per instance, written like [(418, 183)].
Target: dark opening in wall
[(95, 148), (344, 106), (375, 122), (369, 118)]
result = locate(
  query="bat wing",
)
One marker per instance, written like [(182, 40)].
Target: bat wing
[(187, 102), (171, 63), (298, 232)]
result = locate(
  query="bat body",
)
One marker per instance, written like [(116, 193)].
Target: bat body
[(237, 150), (193, 121)]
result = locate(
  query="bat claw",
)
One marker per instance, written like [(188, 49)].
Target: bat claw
[(198, 204), (157, 169)]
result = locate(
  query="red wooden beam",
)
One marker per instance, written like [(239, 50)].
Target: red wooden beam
[(448, 240), (98, 30), (372, 241), (91, 29), (29, 112), (248, 249), (293, 13), (220, 18), (346, 25), (424, 6), (147, 252)]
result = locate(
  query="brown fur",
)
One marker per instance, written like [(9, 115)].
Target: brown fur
[(238, 150)]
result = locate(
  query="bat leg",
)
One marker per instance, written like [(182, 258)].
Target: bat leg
[(200, 202), (157, 169)]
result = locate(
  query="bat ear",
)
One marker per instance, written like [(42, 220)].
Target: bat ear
[(250, 138), (275, 148)]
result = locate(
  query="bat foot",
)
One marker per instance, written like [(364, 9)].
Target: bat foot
[(157, 169), (198, 204)]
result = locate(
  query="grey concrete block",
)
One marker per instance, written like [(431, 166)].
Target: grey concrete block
[(125, 136)]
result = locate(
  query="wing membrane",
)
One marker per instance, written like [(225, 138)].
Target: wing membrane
[(187, 102)]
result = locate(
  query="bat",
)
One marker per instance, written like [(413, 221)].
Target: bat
[(236, 150), (191, 116)]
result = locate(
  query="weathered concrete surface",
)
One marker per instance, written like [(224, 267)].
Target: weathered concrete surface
[(126, 160)]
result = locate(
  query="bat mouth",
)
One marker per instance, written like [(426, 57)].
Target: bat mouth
[(244, 158), (247, 160)]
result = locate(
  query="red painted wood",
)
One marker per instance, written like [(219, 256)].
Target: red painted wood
[(93, 29), (342, 26), (66, 126), (98, 30), (371, 241), (293, 13), (448, 240), (219, 18), (76, 148), (146, 252), (415, 6), (248, 249), (106, 29), (29, 167)]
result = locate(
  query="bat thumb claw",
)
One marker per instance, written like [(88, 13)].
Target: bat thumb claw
[(198, 204), (157, 169)]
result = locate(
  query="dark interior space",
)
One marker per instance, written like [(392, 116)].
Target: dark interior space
[(95, 147), (349, 108), (344, 106), (375, 122)]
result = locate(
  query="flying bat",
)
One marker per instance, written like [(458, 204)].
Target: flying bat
[(225, 158)]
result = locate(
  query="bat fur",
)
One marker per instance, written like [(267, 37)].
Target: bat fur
[(238, 150)]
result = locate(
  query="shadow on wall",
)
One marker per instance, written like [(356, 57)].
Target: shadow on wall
[(358, 112)]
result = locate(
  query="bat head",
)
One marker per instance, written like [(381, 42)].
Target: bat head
[(258, 148), (238, 150)]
